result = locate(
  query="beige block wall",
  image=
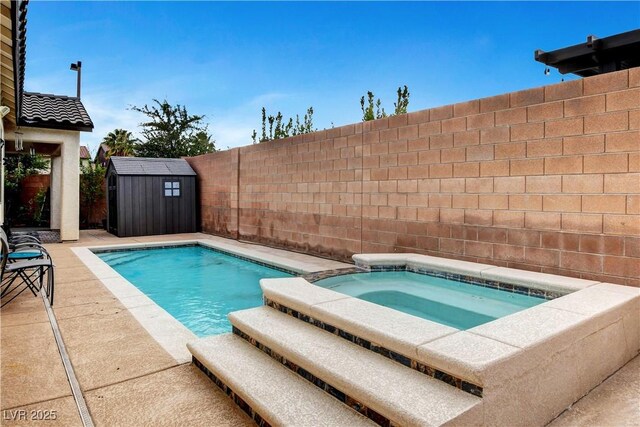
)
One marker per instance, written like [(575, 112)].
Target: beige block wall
[(545, 179), (218, 191)]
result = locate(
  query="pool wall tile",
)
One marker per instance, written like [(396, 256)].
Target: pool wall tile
[(524, 282), (433, 372), (203, 245), (246, 408), (383, 325), (328, 388)]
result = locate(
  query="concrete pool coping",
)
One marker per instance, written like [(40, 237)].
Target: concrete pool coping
[(87, 322), (574, 338), (170, 333)]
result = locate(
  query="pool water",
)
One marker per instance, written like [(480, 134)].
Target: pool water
[(196, 285), (449, 302)]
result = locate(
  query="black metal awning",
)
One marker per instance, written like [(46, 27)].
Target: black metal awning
[(596, 56)]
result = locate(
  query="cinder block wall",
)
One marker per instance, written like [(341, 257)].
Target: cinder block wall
[(218, 192), (546, 179)]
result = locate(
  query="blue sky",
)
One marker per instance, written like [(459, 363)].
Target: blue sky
[(227, 60)]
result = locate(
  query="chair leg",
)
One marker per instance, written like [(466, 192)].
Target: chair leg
[(28, 280), (32, 279), (8, 290), (51, 284)]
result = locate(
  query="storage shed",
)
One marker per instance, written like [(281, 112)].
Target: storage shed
[(148, 196)]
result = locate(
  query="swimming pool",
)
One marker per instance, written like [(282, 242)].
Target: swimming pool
[(196, 285), (449, 302)]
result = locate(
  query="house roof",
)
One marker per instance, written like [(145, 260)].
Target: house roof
[(54, 111), (12, 16), (595, 56), (150, 166), (84, 152), (36, 109)]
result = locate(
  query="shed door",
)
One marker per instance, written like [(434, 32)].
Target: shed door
[(112, 190)]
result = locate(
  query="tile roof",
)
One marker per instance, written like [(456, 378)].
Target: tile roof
[(19, 22), (84, 152), (36, 109), (54, 111), (150, 166)]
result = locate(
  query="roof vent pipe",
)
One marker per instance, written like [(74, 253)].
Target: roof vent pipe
[(77, 66)]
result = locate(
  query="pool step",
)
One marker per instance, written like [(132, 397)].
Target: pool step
[(391, 333), (402, 395), (266, 388)]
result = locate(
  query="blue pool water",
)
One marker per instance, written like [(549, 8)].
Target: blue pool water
[(445, 301), (196, 285)]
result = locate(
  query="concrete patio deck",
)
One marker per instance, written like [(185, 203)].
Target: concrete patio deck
[(128, 379)]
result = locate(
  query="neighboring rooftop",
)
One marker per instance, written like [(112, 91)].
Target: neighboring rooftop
[(84, 152), (595, 56), (150, 166)]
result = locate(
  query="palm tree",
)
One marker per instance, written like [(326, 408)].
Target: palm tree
[(120, 142)]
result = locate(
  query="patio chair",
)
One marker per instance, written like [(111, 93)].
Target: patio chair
[(26, 251), (18, 276), (15, 239)]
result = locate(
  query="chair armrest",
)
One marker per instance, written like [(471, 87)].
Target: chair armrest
[(23, 238), (23, 247)]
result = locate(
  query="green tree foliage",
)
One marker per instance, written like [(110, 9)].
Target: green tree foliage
[(372, 108), (91, 188), (402, 103), (38, 205), (17, 168), (281, 128), (121, 143), (171, 132)]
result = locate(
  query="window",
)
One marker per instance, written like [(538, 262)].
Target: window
[(172, 189)]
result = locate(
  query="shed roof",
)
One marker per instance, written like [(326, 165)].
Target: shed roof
[(150, 166)]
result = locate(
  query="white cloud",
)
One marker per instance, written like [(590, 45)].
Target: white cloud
[(233, 128), (109, 111), (231, 133)]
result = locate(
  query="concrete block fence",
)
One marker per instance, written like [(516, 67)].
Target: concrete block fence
[(544, 179)]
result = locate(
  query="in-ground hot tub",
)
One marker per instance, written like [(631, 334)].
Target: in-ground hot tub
[(529, 365), (454, 303)]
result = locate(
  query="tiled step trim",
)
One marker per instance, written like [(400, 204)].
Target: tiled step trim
[(332, 391), (325, 274), (471, 280), (431, 371), (229, 392)]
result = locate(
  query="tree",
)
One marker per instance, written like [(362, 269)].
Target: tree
[(171, 132), (91, 188), (372, 108), (17, 168), (368, 111), (281, 128), (120, 142), (403, 101)]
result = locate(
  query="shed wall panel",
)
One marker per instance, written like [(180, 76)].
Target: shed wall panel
[(144, 210)]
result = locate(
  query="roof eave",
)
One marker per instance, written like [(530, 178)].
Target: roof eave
[(56, 125)]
